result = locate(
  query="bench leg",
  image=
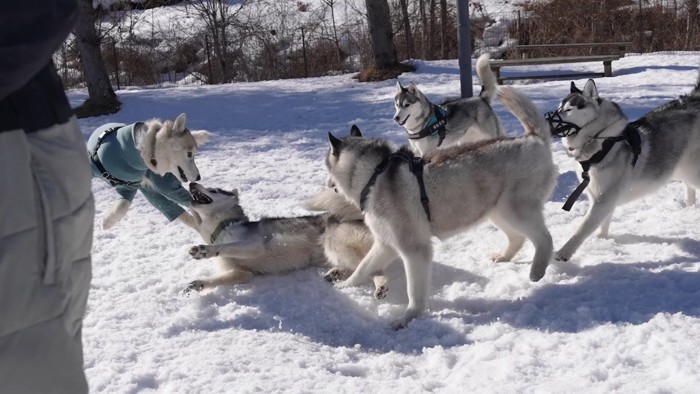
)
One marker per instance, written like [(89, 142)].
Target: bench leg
[(607, 69), (497, 73)]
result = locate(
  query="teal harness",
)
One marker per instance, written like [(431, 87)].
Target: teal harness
[(436, 125)]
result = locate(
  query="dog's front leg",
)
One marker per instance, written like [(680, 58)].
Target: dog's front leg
[(378, 257), (596, 215), (188, 220), (244, 249), (689, 195), (116, 213)]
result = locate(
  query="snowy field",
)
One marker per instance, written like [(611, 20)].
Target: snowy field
[(623, 316)]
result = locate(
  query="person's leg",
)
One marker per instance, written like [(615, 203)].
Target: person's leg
[(45, 269)]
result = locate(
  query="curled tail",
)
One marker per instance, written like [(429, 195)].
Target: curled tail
[(333, 202), (525, 110), (489, 85)]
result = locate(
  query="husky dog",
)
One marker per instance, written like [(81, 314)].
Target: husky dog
[(430, 126), (625, 161), (147, 156), (267, 246), (406, 200)]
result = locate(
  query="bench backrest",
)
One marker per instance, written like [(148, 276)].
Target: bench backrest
[(591, 48)]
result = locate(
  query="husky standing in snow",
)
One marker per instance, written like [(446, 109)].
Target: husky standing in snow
[(147, 157), (624, 161), (431, 126), (406, 200)]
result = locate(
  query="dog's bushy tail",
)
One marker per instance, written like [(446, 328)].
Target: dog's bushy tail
[(525, 110), (489, 84), (331, 201)]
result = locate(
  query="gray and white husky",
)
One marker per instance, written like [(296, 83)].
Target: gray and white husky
[(625, 160), (431, 126), (267, 246), (406, 200)]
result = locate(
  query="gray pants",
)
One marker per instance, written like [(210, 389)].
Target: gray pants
[(46, 220)]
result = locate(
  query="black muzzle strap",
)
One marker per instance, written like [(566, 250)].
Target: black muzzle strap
[(629, 135), (415, 165), (559, 127), (436, 126), (112, 180)]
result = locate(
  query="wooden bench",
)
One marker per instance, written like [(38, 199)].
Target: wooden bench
[(618, 48)]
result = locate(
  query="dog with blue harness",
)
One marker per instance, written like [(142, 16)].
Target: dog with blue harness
[(152, 157)]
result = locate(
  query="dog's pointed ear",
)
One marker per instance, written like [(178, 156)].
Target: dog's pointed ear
[(179, 124), (413, 89), (201, 136), (335, 142), (590, 90), (355, 131), (574, 89), (399, 87)]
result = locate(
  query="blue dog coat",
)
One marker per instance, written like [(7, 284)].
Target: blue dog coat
[(119, 156)]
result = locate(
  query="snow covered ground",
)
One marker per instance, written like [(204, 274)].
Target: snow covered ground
[(622, 316)]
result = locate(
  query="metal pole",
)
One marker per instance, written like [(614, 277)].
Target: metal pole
[(465, 48)]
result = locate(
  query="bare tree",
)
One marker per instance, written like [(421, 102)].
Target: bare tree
[(403, 4), (219, 17), (379, 24), (443, 30), (102, 100)]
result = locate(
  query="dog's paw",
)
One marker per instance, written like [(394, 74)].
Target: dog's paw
[(199, 252), (399, 324), (562, 256), (196, 285), (380, 292), (499, 258), (335, 275)]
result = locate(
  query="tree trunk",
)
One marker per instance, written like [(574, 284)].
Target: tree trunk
[(379, 21), (443, 30), (407, 28), (424, 30), (101, 97), (432, 35)]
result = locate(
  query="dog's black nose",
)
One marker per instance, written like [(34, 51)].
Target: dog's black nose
[(396, 118), (199, 177)]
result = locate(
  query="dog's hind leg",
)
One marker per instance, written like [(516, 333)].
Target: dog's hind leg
[(515, 239), (232, 277), (605, 227), (116, 213), (527, 218)]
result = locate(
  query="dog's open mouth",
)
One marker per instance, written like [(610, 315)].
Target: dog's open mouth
[(182, 174), (403, 122), (197, 196)]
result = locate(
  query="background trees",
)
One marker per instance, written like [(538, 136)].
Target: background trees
[(159, 42)]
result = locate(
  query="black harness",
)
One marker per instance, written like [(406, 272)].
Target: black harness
[(114, 181), (415, 164), (629, 135), (436, 125)]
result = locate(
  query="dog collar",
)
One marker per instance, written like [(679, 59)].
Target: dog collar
[(436, 125), (415, 164), (221, 227), (629, 135)]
